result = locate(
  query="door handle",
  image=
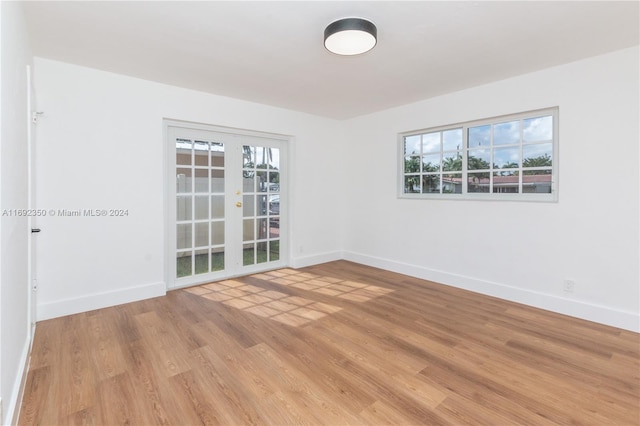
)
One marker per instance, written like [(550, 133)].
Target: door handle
[(238, 204), (35, 230)]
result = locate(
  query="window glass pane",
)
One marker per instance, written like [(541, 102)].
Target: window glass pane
[(183, 152), (411, 184), (412, 144), (217, 207), (274, 205), (248, 229), (201, 153), (248, 157), (479, 136), (431, 183), (248, 182), (452, 140), (248, 173), (506, 133), (262, 157), (261, 180), (248, 254), (183, 180), (506, 158), (478, 182), (202, 261), (183, 208), (412, 164), (274, 227), (217, 154), (217, 159), (274, 181), (506, 182), (262, 208), (537, 155), (452, 162), (217, 233), (262, 254), (538, 183), (431, 163), (274, 250), (537, 129), (431, 142), (267, 158), (202, 208), (478, 159), (183, 158), (202, 234), (217, 181), (274, 158), (263, 229), (452, 183), (217, 259), (201, 180), (248, 205), (183, 236), (183, 264)]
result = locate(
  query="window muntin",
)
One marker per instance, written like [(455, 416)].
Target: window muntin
[(429, 160), (512, 157)]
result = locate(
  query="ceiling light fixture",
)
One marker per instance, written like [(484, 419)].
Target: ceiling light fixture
[(350, 36)]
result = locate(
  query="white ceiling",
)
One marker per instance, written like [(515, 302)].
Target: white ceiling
[(273, 53)]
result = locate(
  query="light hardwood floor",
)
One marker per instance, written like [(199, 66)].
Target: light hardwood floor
[(333, 344)]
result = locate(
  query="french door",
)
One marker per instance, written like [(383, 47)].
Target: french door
[(226, 209)]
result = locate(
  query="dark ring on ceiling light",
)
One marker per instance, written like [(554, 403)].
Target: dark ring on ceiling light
[(350, 36)]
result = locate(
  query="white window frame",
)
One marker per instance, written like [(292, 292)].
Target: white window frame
[(465, 195)]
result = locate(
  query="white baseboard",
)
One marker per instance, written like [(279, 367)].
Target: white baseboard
[(12, 408), (303, 261), (60, 308), (627, 320)]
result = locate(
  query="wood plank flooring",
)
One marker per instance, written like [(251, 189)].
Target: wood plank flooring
[(333, 344)]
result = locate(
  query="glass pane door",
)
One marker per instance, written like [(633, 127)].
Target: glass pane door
[(261, 204), (200, 206), (224, 205)]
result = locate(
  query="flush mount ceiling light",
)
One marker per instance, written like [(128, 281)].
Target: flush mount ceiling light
[(350, 36)]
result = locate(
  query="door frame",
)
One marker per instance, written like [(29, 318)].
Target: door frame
[(233, 135), (32, 117)]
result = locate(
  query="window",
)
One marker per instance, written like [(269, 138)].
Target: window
[(503, 158)]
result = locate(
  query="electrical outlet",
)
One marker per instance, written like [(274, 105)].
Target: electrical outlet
[(568, 286)]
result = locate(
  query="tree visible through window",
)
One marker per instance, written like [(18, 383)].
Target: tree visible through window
[(506, 155)]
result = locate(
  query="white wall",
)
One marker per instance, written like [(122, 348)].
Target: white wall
[(516, 250), (14, 322), (100, 145), (102, 131)]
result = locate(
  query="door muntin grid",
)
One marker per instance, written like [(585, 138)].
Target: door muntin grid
[(261, 178), (213, 233), (200, 206)]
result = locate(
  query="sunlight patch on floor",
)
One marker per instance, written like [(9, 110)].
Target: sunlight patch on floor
[(343, 289), (291, 310)]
